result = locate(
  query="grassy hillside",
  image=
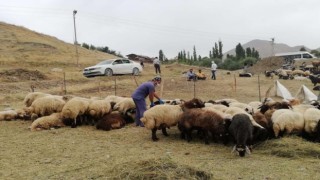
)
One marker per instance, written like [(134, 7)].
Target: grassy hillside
[(29, 49)]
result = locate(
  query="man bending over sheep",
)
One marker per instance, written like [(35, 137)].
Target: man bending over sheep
[(139, 95)]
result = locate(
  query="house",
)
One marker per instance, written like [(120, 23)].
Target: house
[(136, 57)]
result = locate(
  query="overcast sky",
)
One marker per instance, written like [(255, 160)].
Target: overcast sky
[(146, 26)]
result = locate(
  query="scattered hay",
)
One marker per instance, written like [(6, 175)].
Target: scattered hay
[(156, 169), (22, 74), (290, 147)]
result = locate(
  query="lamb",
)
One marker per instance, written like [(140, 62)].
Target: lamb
[(161, 117), (47, 122), (74, 109), (115, 120), (241, 129), (8, 115), (206, 121), (29, 98), (312, 121), (45, 106), (285, 120)]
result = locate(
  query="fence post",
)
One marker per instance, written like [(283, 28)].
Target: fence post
[(259, 88), (194, 88), (115, 85), (64, 83), (99, 88), (235, 83)]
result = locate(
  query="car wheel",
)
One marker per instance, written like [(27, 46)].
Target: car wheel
[(135, 71), (108, 72)]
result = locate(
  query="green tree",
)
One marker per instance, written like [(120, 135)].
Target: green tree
[(240, 53), (92, 47), (85, 45), (315, 52), (161, 55), (216, 48), (248, 52), (303, 48), (220, 50), (194, 53)]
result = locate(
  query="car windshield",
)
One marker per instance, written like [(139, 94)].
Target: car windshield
[(105, 62)]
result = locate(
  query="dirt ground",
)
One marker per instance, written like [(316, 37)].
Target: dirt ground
[(129, 153)]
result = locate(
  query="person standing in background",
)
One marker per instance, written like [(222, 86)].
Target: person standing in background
[(156, 63), (213, 70)]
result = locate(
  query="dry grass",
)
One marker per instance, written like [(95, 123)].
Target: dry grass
[(128, 153)]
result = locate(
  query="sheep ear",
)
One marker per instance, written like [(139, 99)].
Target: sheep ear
[(248, 150)]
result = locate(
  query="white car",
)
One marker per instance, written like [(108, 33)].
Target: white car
[(113, 66)]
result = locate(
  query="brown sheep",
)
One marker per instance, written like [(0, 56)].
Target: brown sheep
[(205, 121), (111, 121)]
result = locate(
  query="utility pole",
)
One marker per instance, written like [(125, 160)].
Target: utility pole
[(75, 36), (272, 44)]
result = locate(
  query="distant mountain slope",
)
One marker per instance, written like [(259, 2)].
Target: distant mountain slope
[(265, 48), (19, 44)]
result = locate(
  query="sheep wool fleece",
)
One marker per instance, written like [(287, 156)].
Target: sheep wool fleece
[(138, 97)]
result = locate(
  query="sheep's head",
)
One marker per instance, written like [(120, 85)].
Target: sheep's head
[(241, 149), (194, 103)]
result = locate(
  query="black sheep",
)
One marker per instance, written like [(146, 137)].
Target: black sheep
[(314, 79), (241, 129)]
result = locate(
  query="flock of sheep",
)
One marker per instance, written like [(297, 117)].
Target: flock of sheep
[(52, 111), (222, 120), (289, 74)]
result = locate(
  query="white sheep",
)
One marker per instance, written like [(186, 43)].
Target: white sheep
[(243, 106), (124, 105), (236, 110), (218, 111), (311, 118), (29, 98), (98, 108), (45, 106), (76, 107), (286, 120), (255, 105), (8, 115), (302, 108), (47, 122), (165, 116), (113, 99), (219, 107)]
